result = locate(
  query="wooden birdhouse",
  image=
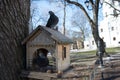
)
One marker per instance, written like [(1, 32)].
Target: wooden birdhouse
[(41, 43)]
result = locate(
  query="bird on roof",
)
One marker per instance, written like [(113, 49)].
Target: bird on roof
[(52, 21)]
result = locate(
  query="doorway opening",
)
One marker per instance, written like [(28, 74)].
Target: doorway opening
[(41, 61)]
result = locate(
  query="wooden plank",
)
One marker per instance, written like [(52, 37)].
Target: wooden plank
[(38, 75)]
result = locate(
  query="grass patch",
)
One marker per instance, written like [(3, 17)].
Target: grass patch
[(85, 52), (93, 52), (91, 55), (113, 50)]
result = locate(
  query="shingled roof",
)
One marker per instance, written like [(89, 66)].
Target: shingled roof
[(56, 35)]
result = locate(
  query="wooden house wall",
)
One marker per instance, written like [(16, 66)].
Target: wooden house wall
[(43, 38), (41, 41), (63, 64), (31, 50)]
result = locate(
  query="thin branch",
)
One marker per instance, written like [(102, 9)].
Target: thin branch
[(112, 6), (82, 8)]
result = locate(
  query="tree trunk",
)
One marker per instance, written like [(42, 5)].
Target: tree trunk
[(14, 18), (94, 25), (95, 33), (64, 19)]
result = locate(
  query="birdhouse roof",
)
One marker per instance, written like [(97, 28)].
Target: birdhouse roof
[(56, 35)]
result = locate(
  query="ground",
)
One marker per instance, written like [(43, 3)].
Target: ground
[(84, 67), (111, 71)]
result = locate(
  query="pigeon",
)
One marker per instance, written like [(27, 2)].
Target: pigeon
[(52, 21)]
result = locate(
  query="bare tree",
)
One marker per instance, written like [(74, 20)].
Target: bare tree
[(116, 11), (77, 38), (64, 18), (35, 17), (14, 22), (94, 20), (79, 21)]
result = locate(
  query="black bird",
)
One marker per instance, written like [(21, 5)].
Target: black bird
[(52, 21)]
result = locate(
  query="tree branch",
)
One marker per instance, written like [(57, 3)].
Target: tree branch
[(82, 8), (91, 1), (112, 6)]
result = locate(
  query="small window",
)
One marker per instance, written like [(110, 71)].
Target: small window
[(106, 14), (115, 13), (87, 45), (63, 52), (112, 28), (92, 42), (101, 30), (102, 37), (114, 38), (119, 42)]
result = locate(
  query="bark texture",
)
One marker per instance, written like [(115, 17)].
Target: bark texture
[(14, 18)]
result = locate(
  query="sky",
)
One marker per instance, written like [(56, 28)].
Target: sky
[(44, 7)]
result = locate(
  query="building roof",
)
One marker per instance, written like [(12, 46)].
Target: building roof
[(56, 35)]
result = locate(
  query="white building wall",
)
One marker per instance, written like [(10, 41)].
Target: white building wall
[(90, 43), (109, 28), (110, 25)]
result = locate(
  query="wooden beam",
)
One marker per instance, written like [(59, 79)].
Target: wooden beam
[(38, 75)]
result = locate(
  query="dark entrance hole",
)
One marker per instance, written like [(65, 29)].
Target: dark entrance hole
[(41, 61)]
